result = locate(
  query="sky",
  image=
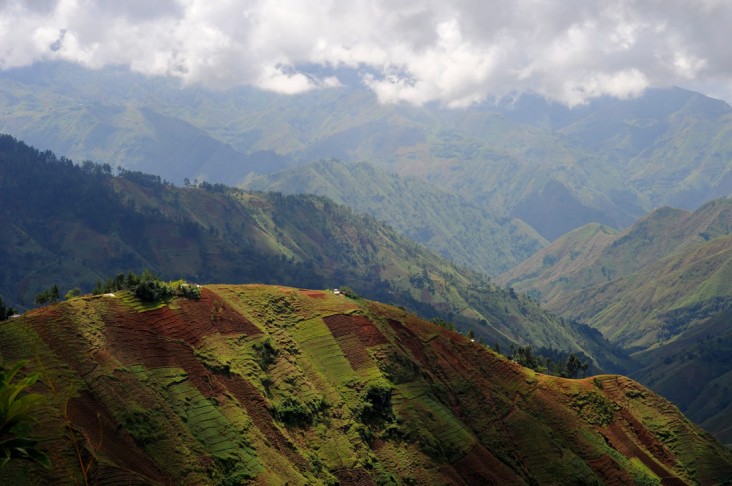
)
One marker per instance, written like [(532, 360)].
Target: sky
[(453, 52)]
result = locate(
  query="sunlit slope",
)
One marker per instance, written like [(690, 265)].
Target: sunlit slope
[(275, 384)]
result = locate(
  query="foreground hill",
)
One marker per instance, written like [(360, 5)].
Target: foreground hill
[(276, 385), (452, 227), (67, 225)]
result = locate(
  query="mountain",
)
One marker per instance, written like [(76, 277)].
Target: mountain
[(70, 225), (661, 289), (644, 285), (447, 224), (672, 145), (609, 162), (278, 385)]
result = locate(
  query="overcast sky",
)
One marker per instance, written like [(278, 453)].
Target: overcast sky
[(456, 52)]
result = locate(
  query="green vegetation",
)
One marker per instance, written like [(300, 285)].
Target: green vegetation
[(594, 408), (5, 311), (48, 296), (548, 361), (447, 224), (148, 287), (17, 409)]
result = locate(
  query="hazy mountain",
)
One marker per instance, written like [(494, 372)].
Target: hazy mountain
[(454, 228), (609, 161), (276, 385), (73, 226)]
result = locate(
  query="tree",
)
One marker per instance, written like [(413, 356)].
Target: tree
[(42, 298), (5, 312), (16, 410), (54, 294), (75, 292), (574, 364), (48, 296)]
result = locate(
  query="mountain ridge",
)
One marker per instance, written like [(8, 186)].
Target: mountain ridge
[(610, 161)]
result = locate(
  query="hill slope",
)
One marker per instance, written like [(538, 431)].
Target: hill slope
[(663, 289), (695, 372), (641, 286), (450, 226), (275, 384), (69, 226)]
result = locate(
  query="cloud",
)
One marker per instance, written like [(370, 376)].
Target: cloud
[(453, 52)]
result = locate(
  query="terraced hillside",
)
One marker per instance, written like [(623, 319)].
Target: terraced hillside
[(663, 290), (271, 385)]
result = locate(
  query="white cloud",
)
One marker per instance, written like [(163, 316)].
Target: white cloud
[(455, 52)]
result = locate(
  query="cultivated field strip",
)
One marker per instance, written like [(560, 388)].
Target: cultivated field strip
[(321, 347), (102, 434), (258, 410)]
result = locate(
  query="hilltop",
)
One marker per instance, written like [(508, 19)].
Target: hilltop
[(275, 384)]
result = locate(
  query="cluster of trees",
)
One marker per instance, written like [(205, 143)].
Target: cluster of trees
[(558, 363), (147, 287), (5, 311), (48, 296)]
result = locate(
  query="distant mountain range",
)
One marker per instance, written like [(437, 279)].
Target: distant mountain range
[(277, 385), (556, 168)]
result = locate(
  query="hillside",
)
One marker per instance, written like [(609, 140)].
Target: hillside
[(275, 385), (661, 289), (72, 226), (644, 285), (556, 168), (445, 223), (695, 372)]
